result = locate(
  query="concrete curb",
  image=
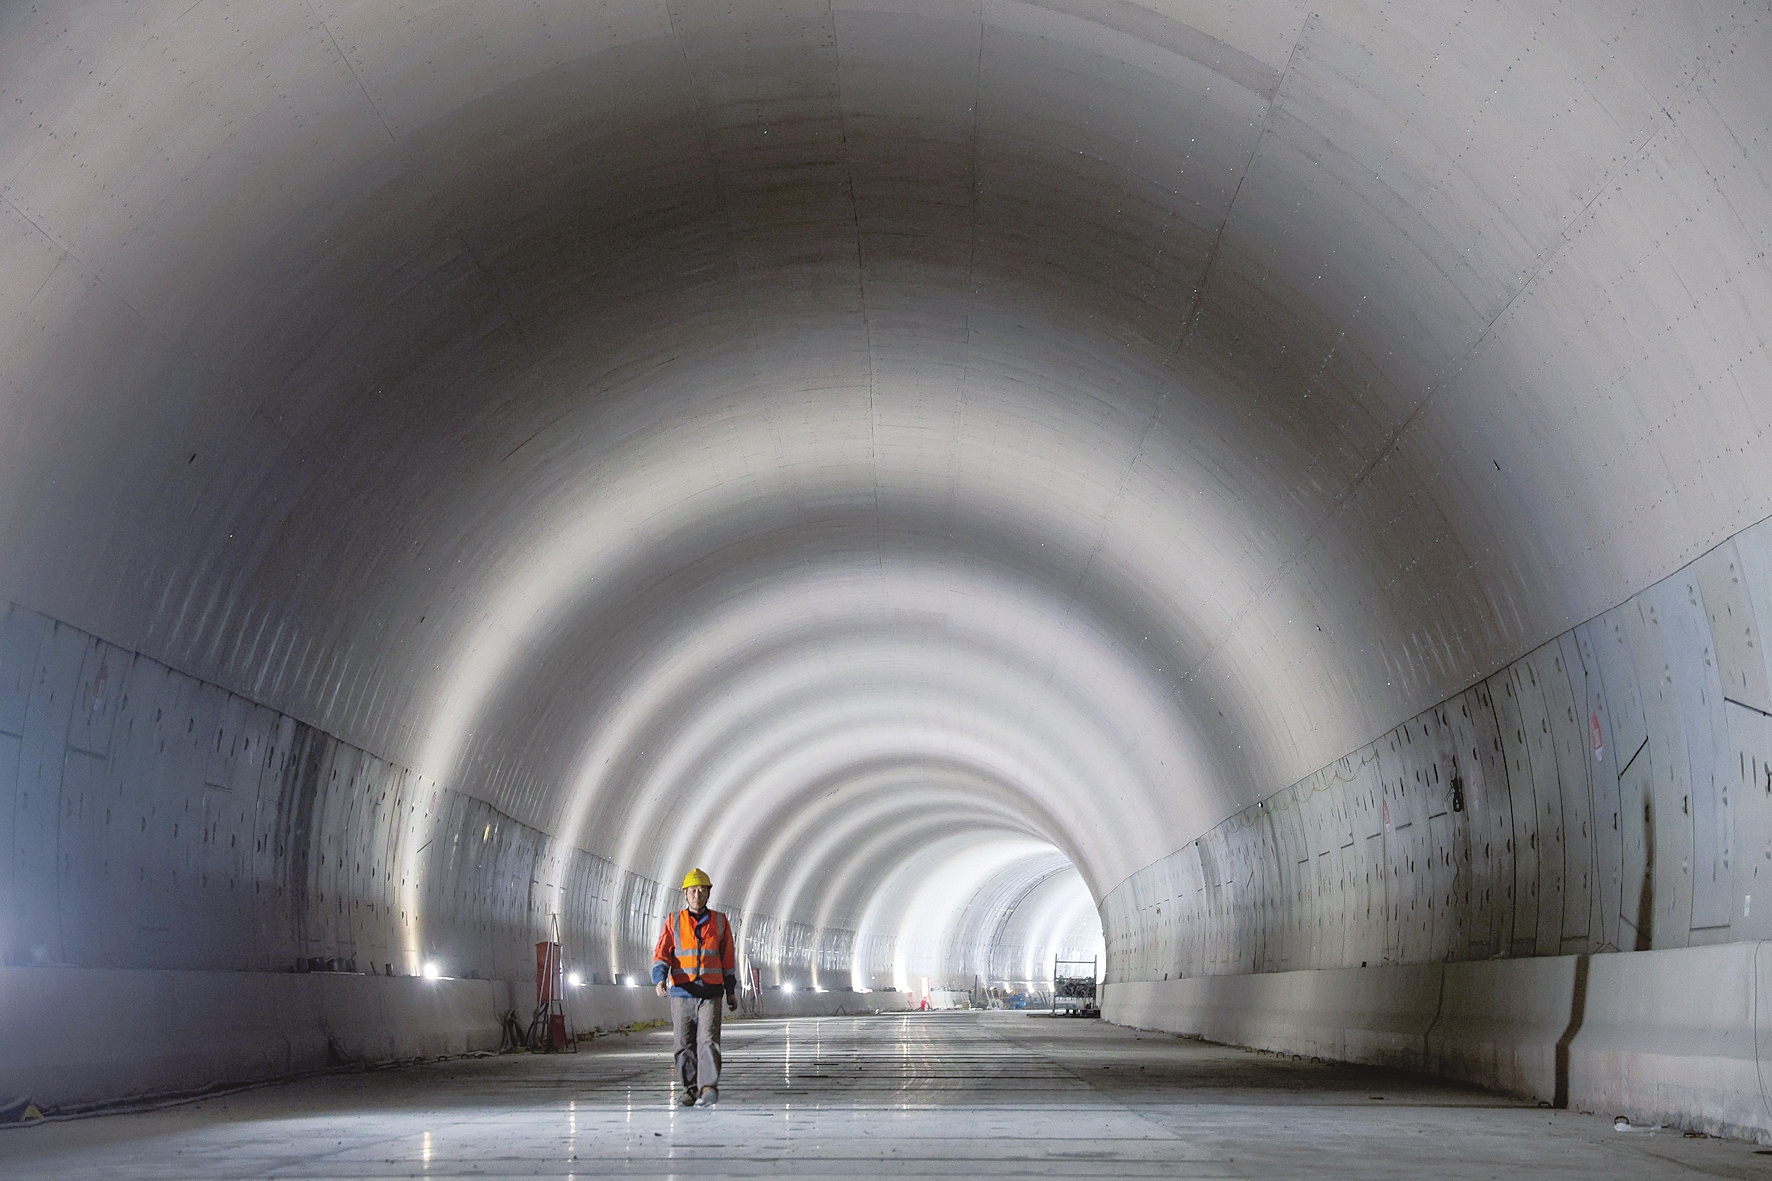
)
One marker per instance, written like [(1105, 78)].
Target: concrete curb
[(77, 1036), (1681, 1037)]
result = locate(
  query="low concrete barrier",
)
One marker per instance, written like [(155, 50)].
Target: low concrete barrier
[(72, 1036), (1680, 1037), (831, 1004), (1671, 1037), (603, 1007), (78, 1036), (1500, 1022), (1353, 1014), (615, 1006)]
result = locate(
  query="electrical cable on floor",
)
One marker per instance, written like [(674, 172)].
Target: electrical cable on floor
[(511, 1034)]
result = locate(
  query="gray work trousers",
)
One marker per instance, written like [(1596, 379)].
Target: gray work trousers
[(695, 1040)]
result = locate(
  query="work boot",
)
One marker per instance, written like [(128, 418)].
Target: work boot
[(687, 1098), (709, 1096)]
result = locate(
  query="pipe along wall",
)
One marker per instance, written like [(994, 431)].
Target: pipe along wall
[(1455, 896)]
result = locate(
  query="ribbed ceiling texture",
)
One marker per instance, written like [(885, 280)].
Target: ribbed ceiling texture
[(888, 453)]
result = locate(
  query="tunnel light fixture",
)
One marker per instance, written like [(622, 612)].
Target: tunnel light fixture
[(631, 982), (575, 979), (431, 971), (787, 986)]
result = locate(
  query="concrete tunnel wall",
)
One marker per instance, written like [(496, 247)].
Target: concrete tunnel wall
[(460, 468), (1609, 791)]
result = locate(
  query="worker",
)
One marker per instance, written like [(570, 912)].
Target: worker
[(694, 964)]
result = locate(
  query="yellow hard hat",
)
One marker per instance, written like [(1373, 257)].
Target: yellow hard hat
[(696, 877)]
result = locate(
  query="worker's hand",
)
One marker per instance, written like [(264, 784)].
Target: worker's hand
[(732, 1002), (662, 989)]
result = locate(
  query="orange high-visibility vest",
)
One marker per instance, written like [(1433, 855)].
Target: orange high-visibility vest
[(703, 955)]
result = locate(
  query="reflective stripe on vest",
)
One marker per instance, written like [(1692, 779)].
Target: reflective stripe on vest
[(697, 958)]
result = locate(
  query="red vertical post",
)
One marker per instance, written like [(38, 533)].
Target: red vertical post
[(550, 996), (547, 973)]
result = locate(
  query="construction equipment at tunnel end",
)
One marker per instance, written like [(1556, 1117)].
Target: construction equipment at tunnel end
[(1075, 992)]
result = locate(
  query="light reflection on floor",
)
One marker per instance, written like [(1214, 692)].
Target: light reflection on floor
[(908, 1095)]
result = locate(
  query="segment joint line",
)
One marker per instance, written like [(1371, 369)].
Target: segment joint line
[(344, 57), (1394, 438), (1190, 322), (861, 280)]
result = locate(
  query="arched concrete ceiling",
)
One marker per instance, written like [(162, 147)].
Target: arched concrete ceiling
[(784, 435)]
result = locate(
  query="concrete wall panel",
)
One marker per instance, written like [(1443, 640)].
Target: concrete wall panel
[(1601, 793), (1601, 769), (1652, 628), (1702, 709), (1510, 697), (159, 821), (1566, 694), (1482, 775)]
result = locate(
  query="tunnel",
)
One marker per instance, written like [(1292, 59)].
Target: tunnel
[(1268, 500)]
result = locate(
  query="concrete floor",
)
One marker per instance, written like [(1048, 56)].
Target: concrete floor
[(961, 1094)]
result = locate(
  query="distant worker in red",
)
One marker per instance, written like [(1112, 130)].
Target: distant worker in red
[(694, 963)]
